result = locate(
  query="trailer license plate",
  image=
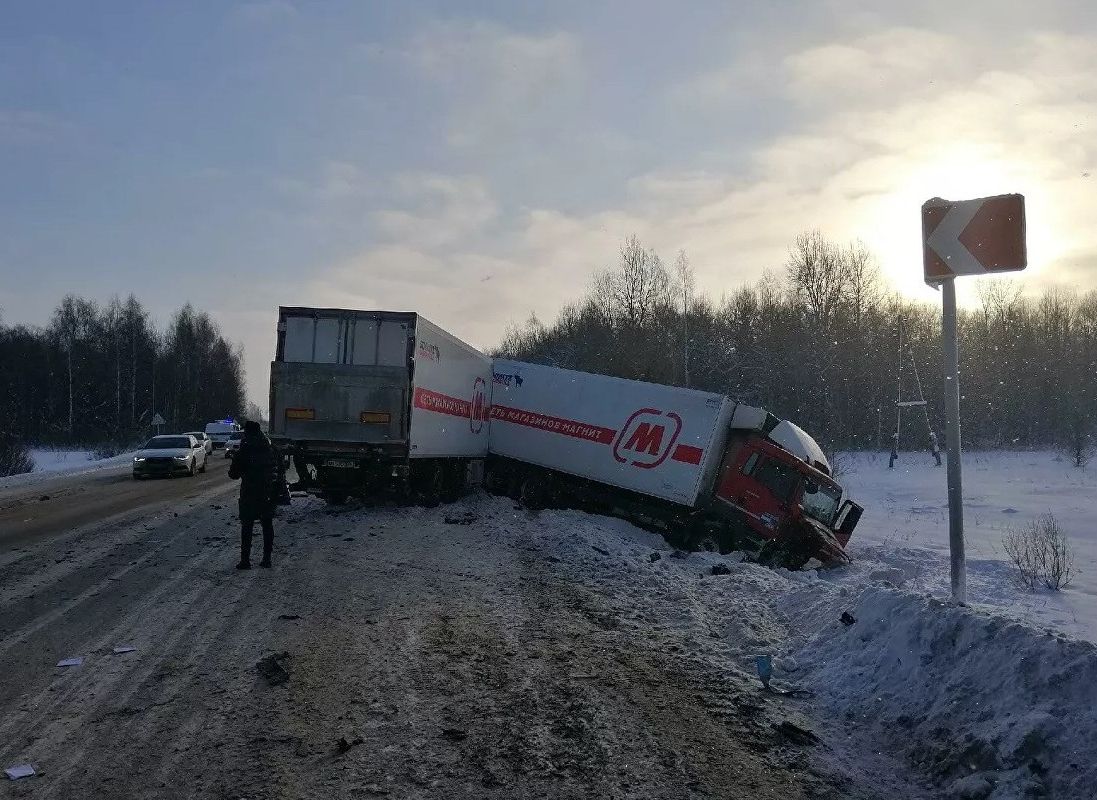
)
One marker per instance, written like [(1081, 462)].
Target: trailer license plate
[(340, 463)]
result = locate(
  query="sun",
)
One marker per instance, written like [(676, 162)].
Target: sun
[(892, 221)]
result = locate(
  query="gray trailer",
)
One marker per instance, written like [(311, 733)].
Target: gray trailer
[(378, 402)]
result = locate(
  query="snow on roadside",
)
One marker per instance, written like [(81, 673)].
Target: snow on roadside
[(903, 535), (976, 704), (49, 464), (988, 707)]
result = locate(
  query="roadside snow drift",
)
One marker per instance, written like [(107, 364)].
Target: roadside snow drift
[(978, 705), (987, 706)]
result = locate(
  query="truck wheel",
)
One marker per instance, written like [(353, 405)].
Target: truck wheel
[(532, 493), (431, 485), (494, 483), (453, 481)]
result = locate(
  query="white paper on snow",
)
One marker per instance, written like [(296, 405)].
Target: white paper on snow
[(19, 771)]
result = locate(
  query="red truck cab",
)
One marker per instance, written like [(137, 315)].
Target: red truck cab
[(769, 486)]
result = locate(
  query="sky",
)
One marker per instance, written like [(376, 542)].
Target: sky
[(478, 161)]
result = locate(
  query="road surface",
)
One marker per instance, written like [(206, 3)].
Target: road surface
[(64, 502), (418, 653)]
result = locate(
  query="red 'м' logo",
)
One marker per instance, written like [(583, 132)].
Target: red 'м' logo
[(645, 435), (477, 412)]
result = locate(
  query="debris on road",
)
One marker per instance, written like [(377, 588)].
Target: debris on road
[(720, 569), (847, 619), (271, 668), (795, 734), (74, 661), (653, 557), (765, 669), (123, 648), (454, 734), (343, 745), (289, 616), (19, 771), (597, 549), (43, 498)]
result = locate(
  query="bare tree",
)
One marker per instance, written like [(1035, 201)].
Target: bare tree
[(637, 287), (817, 274), (684, 271)]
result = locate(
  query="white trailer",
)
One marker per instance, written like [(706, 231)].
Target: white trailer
[(657, 440), (377, 401), (681, 456)]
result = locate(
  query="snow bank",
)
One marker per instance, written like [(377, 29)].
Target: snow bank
[(987, 706), (59, 460), (983, 706), (50, 464)]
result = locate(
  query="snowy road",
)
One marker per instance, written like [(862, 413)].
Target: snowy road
[(452, 660), (61, 503)]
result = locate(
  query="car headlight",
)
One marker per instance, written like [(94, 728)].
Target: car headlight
[(137, 459), (180, 458)]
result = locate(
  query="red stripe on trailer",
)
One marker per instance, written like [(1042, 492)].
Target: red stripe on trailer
[(442, 403), (687, 454), (565, 427)]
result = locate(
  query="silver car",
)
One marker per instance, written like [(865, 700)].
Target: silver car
[(169, 456)]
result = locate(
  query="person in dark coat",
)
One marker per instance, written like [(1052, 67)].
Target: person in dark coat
[(257, 466), (894, 450)]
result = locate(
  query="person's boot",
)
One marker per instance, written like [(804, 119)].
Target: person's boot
[(245, 557), (266, 560), (245, 565)]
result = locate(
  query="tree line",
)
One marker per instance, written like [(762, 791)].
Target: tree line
[(820, 342), (98, 373)]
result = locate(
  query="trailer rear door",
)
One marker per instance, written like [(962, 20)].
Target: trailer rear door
[(341, 376)]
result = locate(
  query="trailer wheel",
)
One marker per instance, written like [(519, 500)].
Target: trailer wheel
[(453, 481), (494, 483), (535, 492), (430, 485)]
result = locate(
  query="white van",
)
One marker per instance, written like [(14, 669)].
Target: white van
[(219, 432)]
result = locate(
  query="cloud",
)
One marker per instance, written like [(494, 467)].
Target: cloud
[(498, 83), (444, 210), (878, 123)]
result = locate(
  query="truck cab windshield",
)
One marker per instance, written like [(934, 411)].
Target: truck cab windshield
[(821, 502)]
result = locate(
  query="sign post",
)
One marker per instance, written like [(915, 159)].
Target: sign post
[(966, 237), (158, 421)]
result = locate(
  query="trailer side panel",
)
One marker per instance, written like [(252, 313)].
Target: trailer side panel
[(661, 441), (451, 385)]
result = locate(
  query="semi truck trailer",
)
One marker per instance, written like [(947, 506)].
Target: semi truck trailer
[(377, 403), (707, 470)]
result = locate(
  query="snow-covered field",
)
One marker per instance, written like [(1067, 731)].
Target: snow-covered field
[(903, 536), (52, 463)]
